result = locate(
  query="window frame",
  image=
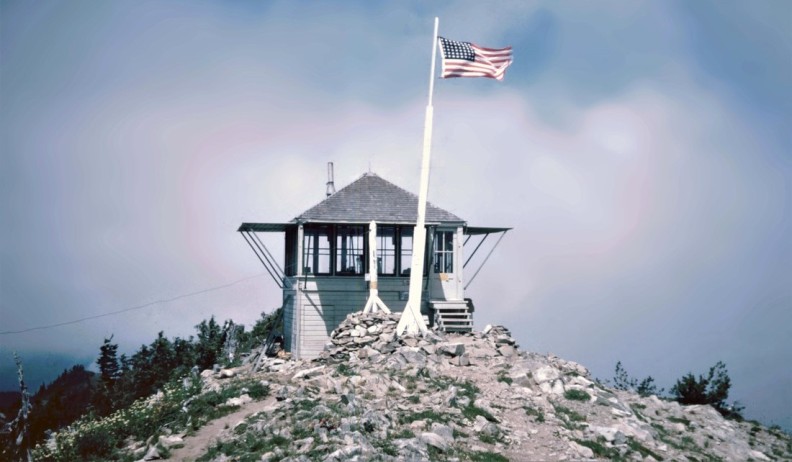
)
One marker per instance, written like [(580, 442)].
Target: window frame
[(361, 234), (443, 250), (313, 232)]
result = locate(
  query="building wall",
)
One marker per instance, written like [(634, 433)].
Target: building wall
[(315, 305), (319, 304), (289, 317)]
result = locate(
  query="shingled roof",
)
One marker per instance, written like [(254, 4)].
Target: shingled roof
[(373, 198)]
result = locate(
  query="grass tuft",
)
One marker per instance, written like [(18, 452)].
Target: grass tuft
[(576, 395)]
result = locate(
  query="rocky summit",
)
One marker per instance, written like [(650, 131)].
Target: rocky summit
[(375, 396)]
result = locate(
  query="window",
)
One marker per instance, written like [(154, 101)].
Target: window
[(350, 253), (444, 252), (406, 245), (386, 250), (290, 253), (317, 253)]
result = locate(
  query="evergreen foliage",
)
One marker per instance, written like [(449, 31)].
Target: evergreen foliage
[(210, 343), (109, 373), (122, 380), (61, 402), (108, 362), (623, 381), (712, 389)]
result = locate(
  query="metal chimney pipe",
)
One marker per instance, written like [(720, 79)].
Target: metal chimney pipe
[(330, 182)]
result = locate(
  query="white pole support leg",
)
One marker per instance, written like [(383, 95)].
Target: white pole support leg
[(374, 303)]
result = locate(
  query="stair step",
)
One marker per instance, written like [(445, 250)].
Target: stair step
[(452, 315)]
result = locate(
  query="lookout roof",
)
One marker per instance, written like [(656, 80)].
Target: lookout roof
[(373, 198)]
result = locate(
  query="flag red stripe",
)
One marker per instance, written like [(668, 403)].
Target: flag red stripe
[(489, 62)]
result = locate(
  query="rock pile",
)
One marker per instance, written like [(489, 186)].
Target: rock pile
[(375, 396)]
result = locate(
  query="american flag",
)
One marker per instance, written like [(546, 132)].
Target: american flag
[(464, 59)]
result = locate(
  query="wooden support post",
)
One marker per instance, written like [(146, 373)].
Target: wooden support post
[(374, 301)]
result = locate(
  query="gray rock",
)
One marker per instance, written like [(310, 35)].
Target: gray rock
[(444, 431), (546, 374), (152, 454), (581, 450), (309, 373), (452, 349), (507, 351), (239, 401), (433, 439), (461, 360), (304, 445)]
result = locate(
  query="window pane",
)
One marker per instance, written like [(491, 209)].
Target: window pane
[(444, 252), (449, 241), (406, 250), (316, 250), (386, 250), (350, 254), (449, 262)]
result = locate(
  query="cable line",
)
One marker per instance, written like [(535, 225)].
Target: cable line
[(139, 307)]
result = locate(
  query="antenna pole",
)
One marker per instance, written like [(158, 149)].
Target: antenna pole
[(330, 180), (411, 320)]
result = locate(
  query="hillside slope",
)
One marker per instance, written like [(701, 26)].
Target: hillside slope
[(374, 396)]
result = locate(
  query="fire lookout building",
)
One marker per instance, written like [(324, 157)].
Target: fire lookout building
[(325, 272)]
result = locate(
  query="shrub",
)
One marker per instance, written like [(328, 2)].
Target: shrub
[(576, 395), (537, 413), (712, 389), (487, 457), (623, 381), (504, 378), (89, 437)]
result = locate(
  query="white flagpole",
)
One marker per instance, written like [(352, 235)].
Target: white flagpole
[(411, 320)]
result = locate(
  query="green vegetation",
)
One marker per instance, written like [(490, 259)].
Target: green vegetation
[(576, 395), (681, 420), (623, 381), (569, 417), (637, 411), (536, 413), (93, 415), (470, 411), (712, 389), (428, 415), (386, 447), (568, 414), (643, 450), (503, 377), (249, 448), (484, 457), (404, 433), (345, 370), (123, 380), (599, 448), (91, 437)]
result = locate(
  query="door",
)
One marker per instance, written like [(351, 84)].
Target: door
[(445, 270)]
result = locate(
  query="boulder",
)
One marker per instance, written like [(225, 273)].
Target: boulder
[(433, 439)]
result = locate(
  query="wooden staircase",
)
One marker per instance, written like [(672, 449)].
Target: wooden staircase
[(452, 315)]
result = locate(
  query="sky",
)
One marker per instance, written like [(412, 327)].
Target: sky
[(640, 151)]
